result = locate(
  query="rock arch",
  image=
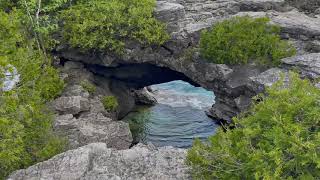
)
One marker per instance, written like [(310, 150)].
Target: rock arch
[(233, 85)]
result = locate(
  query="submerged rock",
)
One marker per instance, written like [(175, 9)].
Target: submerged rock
[(96, 161)]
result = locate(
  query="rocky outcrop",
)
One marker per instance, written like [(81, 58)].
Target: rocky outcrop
[(96, 161), (308, 65), (81, 116), (308, 6), (177, 59), (93, 127), (144, 97)]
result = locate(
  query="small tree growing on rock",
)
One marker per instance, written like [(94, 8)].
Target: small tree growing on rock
[(110, 103)]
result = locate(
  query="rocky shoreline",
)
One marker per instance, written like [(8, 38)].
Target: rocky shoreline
[(99, 142)]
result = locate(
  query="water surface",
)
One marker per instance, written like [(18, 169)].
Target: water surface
[(178, 117)]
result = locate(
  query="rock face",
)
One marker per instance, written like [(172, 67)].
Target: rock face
[(96, 161), (81, 116), (308, 65), (93, 127), (178, 60)]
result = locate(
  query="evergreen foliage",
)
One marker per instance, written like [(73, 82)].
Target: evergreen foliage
[(278, 139), (26, 135), (110, 103), (241, 40), (88, 87), (106, 25)]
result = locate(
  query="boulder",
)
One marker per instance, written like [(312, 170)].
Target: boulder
[(71, 105), (144, 97), (93, 127), (96, 161)]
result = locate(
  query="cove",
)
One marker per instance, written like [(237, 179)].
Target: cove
[(177, 119)]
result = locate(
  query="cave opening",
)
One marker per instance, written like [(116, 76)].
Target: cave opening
[(179, 115)]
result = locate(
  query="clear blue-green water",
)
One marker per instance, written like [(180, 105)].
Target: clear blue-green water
[(177, 119)]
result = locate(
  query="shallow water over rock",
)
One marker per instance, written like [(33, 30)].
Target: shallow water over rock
[(178, 117)]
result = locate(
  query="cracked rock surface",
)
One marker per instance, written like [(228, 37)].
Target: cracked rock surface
[(96, 161)]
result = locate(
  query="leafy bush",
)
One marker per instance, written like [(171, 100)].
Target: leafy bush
[(106, 25), (88, 87), (278, 139), (110, 103), (26, 135), (240, 40), (42, 20)]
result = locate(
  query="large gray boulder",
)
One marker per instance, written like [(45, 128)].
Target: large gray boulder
[(93, 127), (96, 161)]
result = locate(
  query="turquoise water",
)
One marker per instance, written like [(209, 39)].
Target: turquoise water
[(178, 117)]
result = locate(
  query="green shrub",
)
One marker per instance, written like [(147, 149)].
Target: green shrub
[(106, 25), (26, 135), (278, 139), (88, 87), (240, 40), (110, 103), (137, 123)]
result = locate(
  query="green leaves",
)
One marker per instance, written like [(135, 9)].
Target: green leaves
[(279, 139), (26, 135), (241, 40), (107, 25)]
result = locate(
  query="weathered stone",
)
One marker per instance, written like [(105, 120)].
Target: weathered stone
[(93, 127), (222, 112), (243, 102), (144, 97), (169, 12), (308, 65), (312, 46), (267, 79), (308, 6), (96, 161), (262, 5), (71, 105), (298, 25), (75, 90)]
